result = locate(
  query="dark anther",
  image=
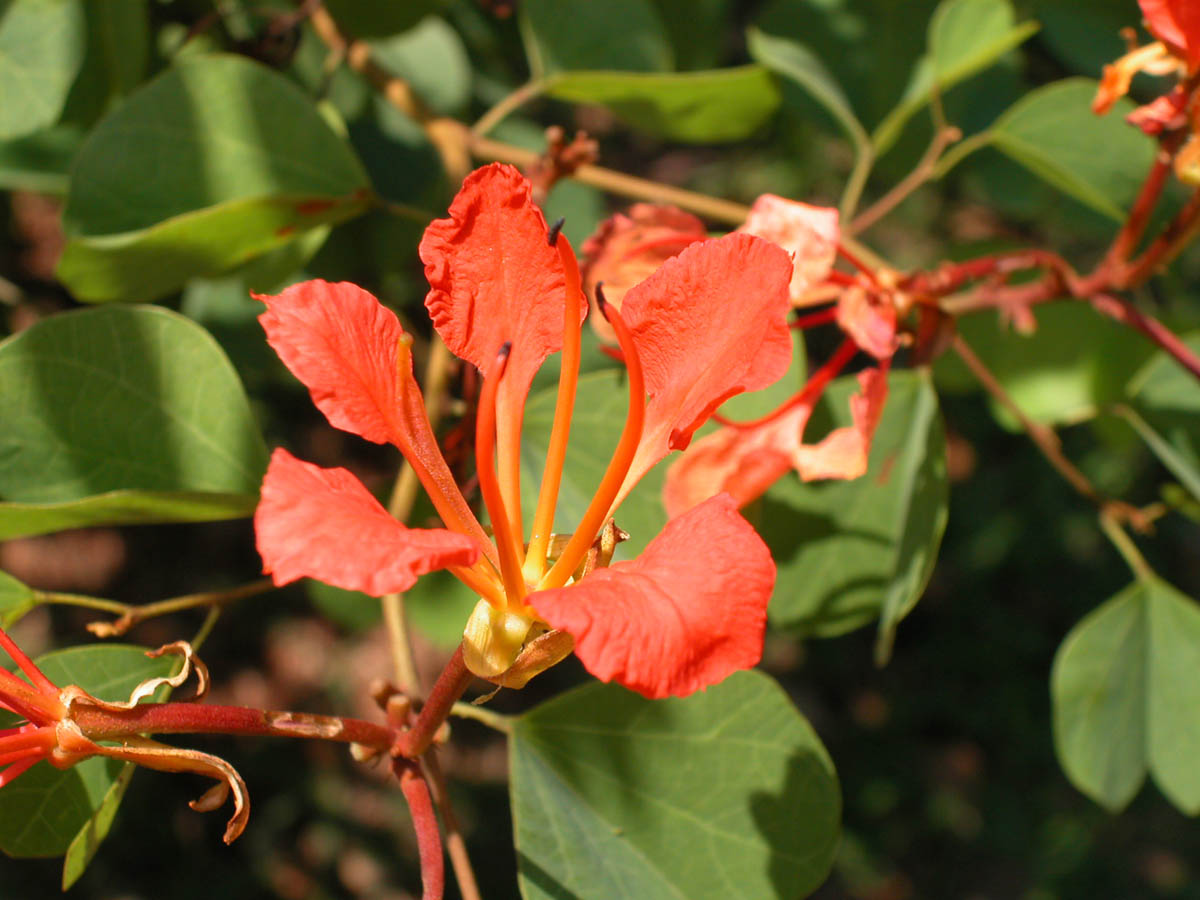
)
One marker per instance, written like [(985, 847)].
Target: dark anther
[(552, 234), (504, 350), (601, 303)]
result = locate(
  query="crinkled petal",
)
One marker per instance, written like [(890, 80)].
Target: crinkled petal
[(809, 233), (709, 324), (744, 462), (689, 611), (1176, 23), (494, 278), (870, 323), (627, 249), (844, 452), (342, 343), (323, 524), (1165, 113)]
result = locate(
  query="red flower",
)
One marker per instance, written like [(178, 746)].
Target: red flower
[(52, 731), (504, 294), (1176, 25)]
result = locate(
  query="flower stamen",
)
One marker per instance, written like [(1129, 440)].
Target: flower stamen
[(618, 466), (489, 487), (568, 380)]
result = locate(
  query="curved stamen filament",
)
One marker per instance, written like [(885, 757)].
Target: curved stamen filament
[(808, 394), (508, 464), (556, 452), (489, 486), (18, 768), (618, 466), (813, 319)]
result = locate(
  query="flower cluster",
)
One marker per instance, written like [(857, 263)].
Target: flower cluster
[(506, 293)]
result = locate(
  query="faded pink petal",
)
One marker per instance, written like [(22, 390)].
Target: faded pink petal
[(870, 323), (809, 233), (744, 462), (323, 524), (689, 611)]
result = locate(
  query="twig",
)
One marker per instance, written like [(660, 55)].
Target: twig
[(451, 684), (456, 846), (1126, 547), (1177, 235), (429, 842), (507, 105), (495, 720), (1126, 313), (1047, 441), (943, 137), (132, 614), (1143, 207)]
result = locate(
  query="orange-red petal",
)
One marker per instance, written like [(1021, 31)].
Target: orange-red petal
[(844, 452), (709, 324), (627, 249), (1177, 24), (341, 343), (809, 233), (323, 524), (494, 278), (871, 323), (689, 611)]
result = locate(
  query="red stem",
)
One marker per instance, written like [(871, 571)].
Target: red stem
[(1139, 214), (1164, 248), (1126, 313), (188, 718), (429, 838), (449, 687), (812, 320)]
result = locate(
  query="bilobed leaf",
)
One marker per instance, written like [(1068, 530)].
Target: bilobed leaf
[(796, 62), (850, 551), (124, 399), (142, 265), (575, 35), (698, 107), (165, 172), (964, 37), (725, 794), (123, 508), (43, 811), (41, 50), (16, 599), (1053, 132), (1126, 699)]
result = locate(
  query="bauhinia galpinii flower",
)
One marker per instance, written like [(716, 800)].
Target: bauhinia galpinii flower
[(505, 294)]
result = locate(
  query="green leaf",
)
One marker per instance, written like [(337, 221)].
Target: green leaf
[(380, 18), (727, 793), (16, 599), (697, 107), (1126, 699), (41, 50), (118, 54), (123, 508), (1166, 397), (430, 57), (142, 265), (1053, 132), (44, 811), (39, 161), (796, 62), (124, 399), (849, 551), (572, 35), (1182, 466), (1074, 364), (87, 840), (964, 37), (212, 141)]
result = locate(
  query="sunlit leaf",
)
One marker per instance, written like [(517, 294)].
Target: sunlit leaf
[(16, 599), (575, 35), (41, 50), (700, 107), (124, 399), (727, 793)]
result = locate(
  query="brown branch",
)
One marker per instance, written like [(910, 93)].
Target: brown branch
[(1047, 441), (942, 138), (456, 847)]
